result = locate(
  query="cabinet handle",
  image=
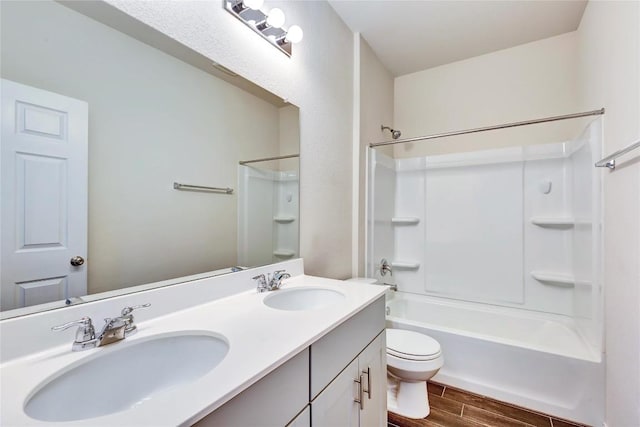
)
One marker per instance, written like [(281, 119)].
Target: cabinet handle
[(360, 399), (368, 374)]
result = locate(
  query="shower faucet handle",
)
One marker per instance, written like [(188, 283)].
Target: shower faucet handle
[(385, 267)]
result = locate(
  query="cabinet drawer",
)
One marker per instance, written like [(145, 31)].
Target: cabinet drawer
[(331, 353), (273, 401)]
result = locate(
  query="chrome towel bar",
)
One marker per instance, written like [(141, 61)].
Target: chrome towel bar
[(266, 159), (188, 187), (610, 161)]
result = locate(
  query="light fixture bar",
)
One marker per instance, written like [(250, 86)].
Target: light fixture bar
[(258, 21)]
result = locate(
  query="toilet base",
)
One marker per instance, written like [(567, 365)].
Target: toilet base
[(409, 399)]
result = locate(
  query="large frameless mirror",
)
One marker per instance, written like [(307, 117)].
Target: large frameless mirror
[(130, 163)]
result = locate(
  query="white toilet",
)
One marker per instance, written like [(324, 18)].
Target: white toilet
[(412, 359)]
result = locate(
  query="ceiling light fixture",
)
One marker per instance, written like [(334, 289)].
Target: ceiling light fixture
[(268, 24)]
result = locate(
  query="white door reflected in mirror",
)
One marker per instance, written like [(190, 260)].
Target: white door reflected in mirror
[(44, 196)]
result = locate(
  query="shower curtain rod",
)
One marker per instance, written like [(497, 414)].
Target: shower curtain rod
[(483, 129), (288, 156)]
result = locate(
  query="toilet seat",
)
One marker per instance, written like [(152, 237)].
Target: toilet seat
[(410, 345)]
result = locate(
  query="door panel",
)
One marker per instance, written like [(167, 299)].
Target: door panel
[(41, 195), (41, 291), (43, 218), (373, 366), (41, 121)]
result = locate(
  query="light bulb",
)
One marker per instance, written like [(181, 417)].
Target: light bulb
[(253, 4), (275, 18), (294, 35)]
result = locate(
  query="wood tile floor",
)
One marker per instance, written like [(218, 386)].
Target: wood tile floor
[(452, 407)]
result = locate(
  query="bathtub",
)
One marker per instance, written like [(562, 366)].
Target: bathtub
[(535, 360)]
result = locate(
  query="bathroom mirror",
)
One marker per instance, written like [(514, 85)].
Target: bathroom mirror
[(163, 131)]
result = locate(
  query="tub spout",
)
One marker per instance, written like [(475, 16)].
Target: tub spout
[(391, 286)]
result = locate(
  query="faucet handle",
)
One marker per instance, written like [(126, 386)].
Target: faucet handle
[(127, 310), (85, 332), (279, 272), (262, 282), (278, 277), (127, 318), (85, 321)]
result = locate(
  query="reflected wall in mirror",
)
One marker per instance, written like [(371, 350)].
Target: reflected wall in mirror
[(96, 128)]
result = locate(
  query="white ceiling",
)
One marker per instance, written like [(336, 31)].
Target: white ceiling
[(409, 36)]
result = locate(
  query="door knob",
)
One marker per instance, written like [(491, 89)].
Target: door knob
[(77, 261)]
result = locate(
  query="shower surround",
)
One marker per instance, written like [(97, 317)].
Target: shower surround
[(268, 223), (514, 230)]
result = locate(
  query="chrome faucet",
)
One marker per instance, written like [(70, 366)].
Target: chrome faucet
[(115, 329), (269, 283)]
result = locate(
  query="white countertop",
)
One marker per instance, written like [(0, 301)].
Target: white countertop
[(260, 340)]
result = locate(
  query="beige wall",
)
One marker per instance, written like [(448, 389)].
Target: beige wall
[(317, 78), (533, 80), (153, 120), (376, 108), (609, 54), (289, 122)]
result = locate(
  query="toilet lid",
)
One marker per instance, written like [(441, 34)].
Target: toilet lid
[(411, 345)]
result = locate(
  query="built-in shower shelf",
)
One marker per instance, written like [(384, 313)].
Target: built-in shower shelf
[(555, 279), (405, 265), (553, 221), (404, 220), (283, 253), (284, 219)]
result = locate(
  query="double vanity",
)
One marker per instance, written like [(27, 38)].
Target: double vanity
[(210, 352)]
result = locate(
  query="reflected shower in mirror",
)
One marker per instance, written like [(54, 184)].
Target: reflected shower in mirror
[(268, 210), (101, 126)]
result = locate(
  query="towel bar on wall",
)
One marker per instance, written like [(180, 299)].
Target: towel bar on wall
[(188, 187), (610, 161)]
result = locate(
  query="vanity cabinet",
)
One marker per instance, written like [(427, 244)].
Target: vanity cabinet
[(318, 386), (347, 363)]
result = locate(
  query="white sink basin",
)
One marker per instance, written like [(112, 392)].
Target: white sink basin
[(303, 298), (125, 375)]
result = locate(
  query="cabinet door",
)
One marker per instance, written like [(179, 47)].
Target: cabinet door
[(373, 368), (336, 405), (303, 419)]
